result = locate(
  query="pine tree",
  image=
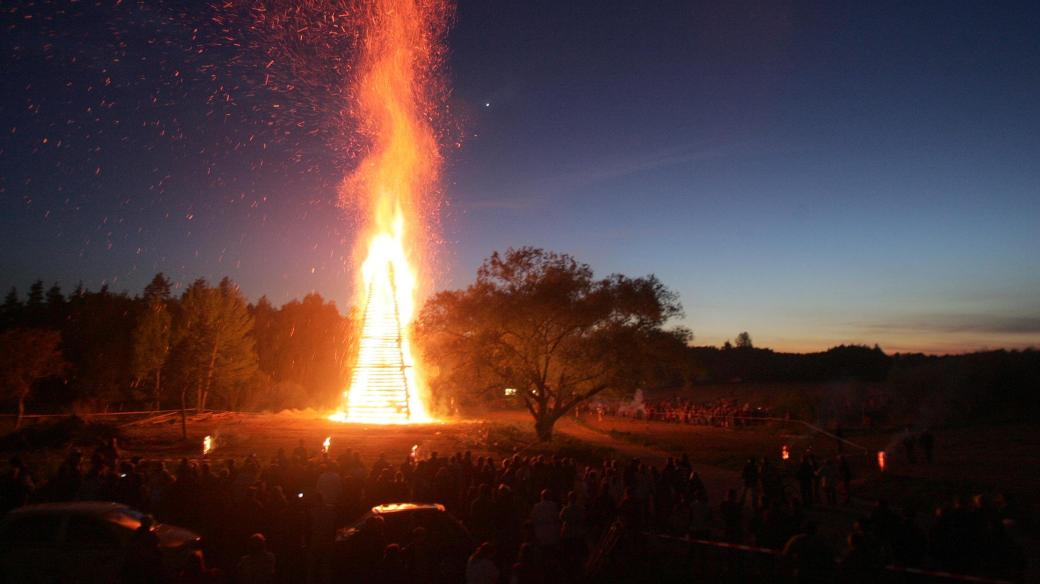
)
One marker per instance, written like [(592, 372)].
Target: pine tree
[(158, 290), (34, 304), (35, 299), (11, 311)]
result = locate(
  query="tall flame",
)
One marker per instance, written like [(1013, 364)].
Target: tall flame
[(395, 86)]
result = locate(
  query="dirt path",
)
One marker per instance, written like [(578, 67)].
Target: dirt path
[(716, 480)]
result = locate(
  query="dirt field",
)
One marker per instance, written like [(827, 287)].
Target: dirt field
[(987, 458), (241, 434)]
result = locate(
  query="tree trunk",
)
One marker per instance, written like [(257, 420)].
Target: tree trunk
[(158, 373), (184, 415), (21, 410), (543, 427), (204, 390)]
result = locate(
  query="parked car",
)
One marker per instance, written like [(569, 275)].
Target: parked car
[(83, 541), (359, 547)]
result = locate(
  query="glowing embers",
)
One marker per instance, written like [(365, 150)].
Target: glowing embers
[(394, 90)]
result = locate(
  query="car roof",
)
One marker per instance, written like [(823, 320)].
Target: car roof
[(400, 507), (78, 507)]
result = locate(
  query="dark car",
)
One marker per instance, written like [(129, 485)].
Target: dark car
[(83, 541), (440, 549)]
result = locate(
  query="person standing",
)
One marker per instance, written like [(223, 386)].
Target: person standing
[(910, 445), (749, 475), (732, 515), (143, 559), (258, 565), (805, 476), (481, 568), (828, 476), (927, 440), (845, 478), (545, 516)]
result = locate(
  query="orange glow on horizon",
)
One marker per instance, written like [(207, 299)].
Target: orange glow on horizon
[(393, 91)]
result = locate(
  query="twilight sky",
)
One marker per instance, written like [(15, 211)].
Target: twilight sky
[(852, 172)]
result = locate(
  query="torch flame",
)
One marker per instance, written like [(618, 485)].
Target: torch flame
[(881, 460), (207, 445), (785, 454), (325, 445), (393, 91)]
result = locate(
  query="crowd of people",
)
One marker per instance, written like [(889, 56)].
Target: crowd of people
[(532, 518), (724, 413)]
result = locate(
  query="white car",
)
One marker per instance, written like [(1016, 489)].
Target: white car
[(82, 541)]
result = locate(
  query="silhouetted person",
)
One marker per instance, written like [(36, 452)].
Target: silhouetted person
[(805, 475), (143, 559), (527, 569), (927, 440), (195, 571), (910, 446), (16, 486), (574, 531), (860, 564), (809, 556), (695, 487), (749, 475), (911, 542), (258, 565), (828, 476), (392, 569), (845, 479), (482, 513), (731, 512), (300, 453), (481, 568), (545, 516), (420, 557)]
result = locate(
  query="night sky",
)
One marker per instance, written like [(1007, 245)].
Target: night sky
[(850, 172)]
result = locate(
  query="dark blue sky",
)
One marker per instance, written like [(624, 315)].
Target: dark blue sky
[(844, 172)]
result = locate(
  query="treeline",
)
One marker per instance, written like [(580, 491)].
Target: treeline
[(206, 348), (748, 363), (997, 381), (209, 348)]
